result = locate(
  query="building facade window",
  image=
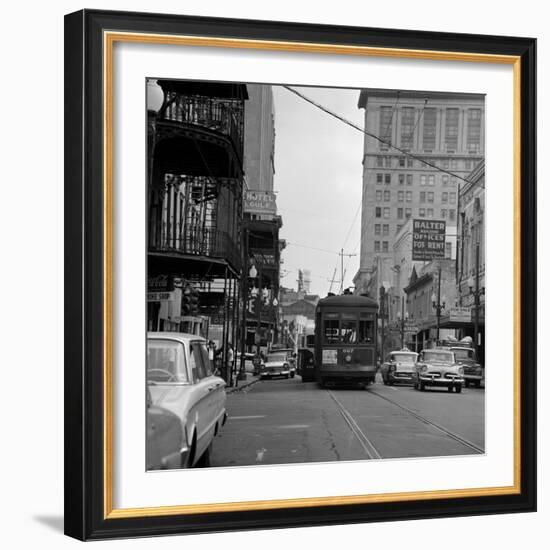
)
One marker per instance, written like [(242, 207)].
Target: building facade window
[(401, 179), (387, 179), (452, 215), (451, 129), (385, 230), (388, 162), (444, 197), (384, 246), (400, 213), (430, 196), (444, 213), (377, 229), (473, 136), (384, 129), (452, 197), (410, 163), (430, 212), (379, 162), (409, 179), (377, 246), (431, 180), (408, 212), (379, 178), (400, 196), (445, 180), (422, 196), (428, 131), (407, 127), (386, 213), (454, 164), (387, 195), (409, 196), (422, 179), (378, 195), (401, 162), (378, 212), (448, 250), (422, 212)]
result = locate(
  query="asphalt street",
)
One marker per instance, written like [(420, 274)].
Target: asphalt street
[(282, 421)]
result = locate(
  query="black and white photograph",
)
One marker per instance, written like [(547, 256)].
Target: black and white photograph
[(315, 274)]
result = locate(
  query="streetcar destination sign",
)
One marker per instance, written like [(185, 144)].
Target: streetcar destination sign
[(428, 240)]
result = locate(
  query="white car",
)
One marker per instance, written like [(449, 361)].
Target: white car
[(276, 364), (180, 379)]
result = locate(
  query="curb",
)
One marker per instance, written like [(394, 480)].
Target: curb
[(241, 386)]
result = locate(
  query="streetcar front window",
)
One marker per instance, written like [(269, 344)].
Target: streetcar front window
[(366, 331), (349, 331), (331, 331)]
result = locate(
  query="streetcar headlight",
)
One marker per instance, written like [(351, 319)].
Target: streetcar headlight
[(348, 358)]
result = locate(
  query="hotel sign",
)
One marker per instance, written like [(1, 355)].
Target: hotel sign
[(262, 202), (428, 240)]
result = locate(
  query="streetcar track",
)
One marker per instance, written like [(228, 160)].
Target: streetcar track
[(448, 433), (368, 447)]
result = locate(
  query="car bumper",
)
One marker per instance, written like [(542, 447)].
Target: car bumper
[(400, 376), (275, 373), (429, 381)]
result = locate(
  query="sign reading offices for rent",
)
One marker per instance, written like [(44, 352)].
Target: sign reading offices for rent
[(428, 240)]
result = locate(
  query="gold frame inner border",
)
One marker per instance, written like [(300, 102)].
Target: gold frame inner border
[(109, 40)]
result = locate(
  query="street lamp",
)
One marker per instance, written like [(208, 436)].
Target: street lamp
[(382, 316), (476, 292), (402, 318), (252, 274), (438, 303)]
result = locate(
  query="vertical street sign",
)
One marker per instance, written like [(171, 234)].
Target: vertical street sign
[(428, 240)]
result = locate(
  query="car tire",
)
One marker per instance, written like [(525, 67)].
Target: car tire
[(422, 386), (450, 389), (466, 384), (385, 381), (292, 374), (477, 383), (206, 458), (458, 389), (390, 382)]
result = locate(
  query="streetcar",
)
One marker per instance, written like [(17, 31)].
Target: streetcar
[(345, 340)]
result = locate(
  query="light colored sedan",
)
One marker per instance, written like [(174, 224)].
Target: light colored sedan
[(180, 379), (437, 367), (276, 364), (398, 367)]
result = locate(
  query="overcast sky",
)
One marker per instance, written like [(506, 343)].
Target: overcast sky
[(318, 180)]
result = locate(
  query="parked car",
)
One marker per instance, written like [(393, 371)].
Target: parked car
[(473, 371), (398, 366), (164, 438), (291, 358), (180, 379), (275, 364), (438, 367)]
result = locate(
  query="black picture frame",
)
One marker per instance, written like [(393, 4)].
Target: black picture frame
[(85, 393)]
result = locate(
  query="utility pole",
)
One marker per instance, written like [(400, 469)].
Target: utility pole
[(341, 254)]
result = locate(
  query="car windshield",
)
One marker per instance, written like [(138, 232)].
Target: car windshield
[(404, 357), (464, 353), (276, 357), (438, 356), (165, 362)]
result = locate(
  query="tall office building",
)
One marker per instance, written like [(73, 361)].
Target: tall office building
[(445, 129)]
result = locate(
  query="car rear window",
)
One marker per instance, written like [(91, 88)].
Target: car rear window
[(165, 361), (404, 357)]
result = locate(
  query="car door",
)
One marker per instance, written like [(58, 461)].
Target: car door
[(216, 388), (201, 402)]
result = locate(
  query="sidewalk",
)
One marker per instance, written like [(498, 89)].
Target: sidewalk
[(250, 380)]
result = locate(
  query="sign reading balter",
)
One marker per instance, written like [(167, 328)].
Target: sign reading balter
[(428, 240)]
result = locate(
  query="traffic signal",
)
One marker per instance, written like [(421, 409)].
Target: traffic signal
[(194, 301), (186, 300)]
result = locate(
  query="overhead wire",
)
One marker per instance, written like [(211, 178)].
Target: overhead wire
[(374, 136)]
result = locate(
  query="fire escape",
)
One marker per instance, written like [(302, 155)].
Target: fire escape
[(195, 190)]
